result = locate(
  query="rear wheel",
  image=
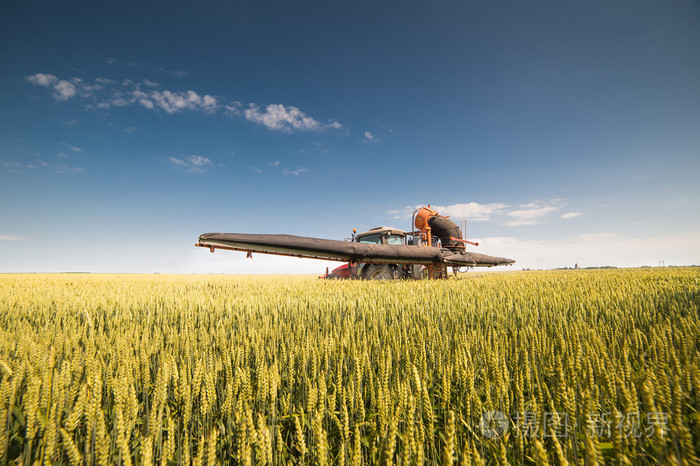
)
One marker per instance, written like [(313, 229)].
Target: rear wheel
[(379, 272), (419, 272)]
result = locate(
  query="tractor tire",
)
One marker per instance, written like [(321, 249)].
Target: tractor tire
[(419, 272), (379, 272)]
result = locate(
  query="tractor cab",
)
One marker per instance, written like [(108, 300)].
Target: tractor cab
[(382, 235)]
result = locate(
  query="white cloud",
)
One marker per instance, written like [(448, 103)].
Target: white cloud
[(569, 215), (198, 160), (234, 108), (10, 238), (63, 90), (85, 89), (369, 136), (111, 61), (179, 162), (281, 118), (525, 214), (173, 102), (62, 169), (403, 213), (192, 164), (295, 172), (472, 210), (529, 214), (521, 222), (58, 168), (75, 149), (41, 79), (176, 73), (105, 94), (141, 98)]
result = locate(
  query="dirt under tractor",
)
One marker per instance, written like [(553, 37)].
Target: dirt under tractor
[(434, 244)]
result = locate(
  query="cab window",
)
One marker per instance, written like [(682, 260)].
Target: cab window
[(371, 239), (394, 239)]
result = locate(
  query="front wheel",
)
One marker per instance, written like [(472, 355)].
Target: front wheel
[(379, 272), (419, 272)]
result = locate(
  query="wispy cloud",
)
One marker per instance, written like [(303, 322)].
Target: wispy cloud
[(234, 108), (70, 149), (58, 168), (569, 215), (169, 101), (61, 168), (472, 210), (176, 73), (282, 118), (369, 136), (10, 238), (403, 212), (173, 102), (294, 172), (106, 94), (192, 164), (38, 165), (525, 214), (529, 214), (63, 90)]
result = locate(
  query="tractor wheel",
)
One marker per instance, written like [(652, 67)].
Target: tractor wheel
[(419, 272), (379, 272)]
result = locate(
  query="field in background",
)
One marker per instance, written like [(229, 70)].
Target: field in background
[(520, 367)]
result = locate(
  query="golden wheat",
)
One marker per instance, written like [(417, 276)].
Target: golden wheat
[(597, 366)]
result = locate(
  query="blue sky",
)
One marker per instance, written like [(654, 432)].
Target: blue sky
[(565, 132)]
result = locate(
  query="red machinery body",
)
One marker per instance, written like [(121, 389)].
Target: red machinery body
[(345, 271)]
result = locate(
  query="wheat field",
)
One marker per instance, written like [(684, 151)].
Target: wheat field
[(560, 367)]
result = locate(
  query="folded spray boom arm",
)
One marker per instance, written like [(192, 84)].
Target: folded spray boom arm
[(346, 251)]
